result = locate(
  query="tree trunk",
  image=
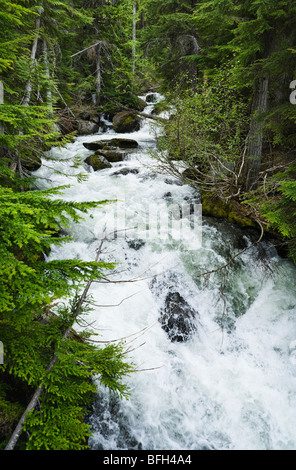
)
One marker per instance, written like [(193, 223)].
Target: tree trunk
[(47, 74), (28, 88), (98, 63), (134, 37), (98, 74), (255, 137)]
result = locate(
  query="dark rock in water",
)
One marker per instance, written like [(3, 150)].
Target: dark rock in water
[(109, 115), (107, 144), (97, 145), (124, 143), (135, 244), (126, 121), (151, 98), (174, 181), (98, 162), (125, 171), (177, 318), (112, 155)]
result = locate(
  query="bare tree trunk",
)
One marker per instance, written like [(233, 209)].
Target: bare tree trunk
[(98, 74), (47, 74), (134, 37), (28, 88), (255, 137), (98, 63)]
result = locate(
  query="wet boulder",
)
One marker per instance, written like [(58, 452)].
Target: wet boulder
[(98, 162), (177, 318), (87, 127), (112, 143), (135, 244), (151, 98), (125, 171), (126, 121), (112, 155), (97, 145), (124, 143)]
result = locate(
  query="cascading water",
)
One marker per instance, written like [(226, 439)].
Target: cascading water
[(231, 384)]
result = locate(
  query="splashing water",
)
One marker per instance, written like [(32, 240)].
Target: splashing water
[(232, 383)]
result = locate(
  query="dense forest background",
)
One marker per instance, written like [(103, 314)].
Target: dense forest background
[(226, 68)]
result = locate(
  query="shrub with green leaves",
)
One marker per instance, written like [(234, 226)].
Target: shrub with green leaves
[(206, 132)]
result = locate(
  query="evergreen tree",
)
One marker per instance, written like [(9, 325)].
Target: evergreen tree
[(256, 38), (33, 330), (171, 41)]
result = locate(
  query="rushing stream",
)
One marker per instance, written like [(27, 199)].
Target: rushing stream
[(231, 384)]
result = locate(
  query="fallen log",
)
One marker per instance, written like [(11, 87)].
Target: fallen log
[(140, 113)]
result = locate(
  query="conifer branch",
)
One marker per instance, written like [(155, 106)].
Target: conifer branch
[(38, 392)]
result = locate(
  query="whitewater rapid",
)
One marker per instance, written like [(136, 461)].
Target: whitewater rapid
[(232, 385)]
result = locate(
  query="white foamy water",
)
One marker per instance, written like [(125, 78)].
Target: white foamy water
[(232, 384)]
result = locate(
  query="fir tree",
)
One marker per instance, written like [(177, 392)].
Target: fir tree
[(34, 331)]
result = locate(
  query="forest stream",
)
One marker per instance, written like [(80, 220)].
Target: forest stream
[(224, 375)]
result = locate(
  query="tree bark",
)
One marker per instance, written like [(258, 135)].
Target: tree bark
[(98, 62), (255, 137), (98, 73), (28, 88), (134, 37), (47, 74)]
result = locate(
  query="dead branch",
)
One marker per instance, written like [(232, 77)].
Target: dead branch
[(114, 305), (98, 43)]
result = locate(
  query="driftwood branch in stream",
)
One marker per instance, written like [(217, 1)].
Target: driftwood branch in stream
[(140, 113)]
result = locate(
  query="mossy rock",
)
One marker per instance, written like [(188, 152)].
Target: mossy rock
[(137, 103), (126, 121), (234, 211), (111, 155), (98, 162), (108, 144), (124, 143)]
